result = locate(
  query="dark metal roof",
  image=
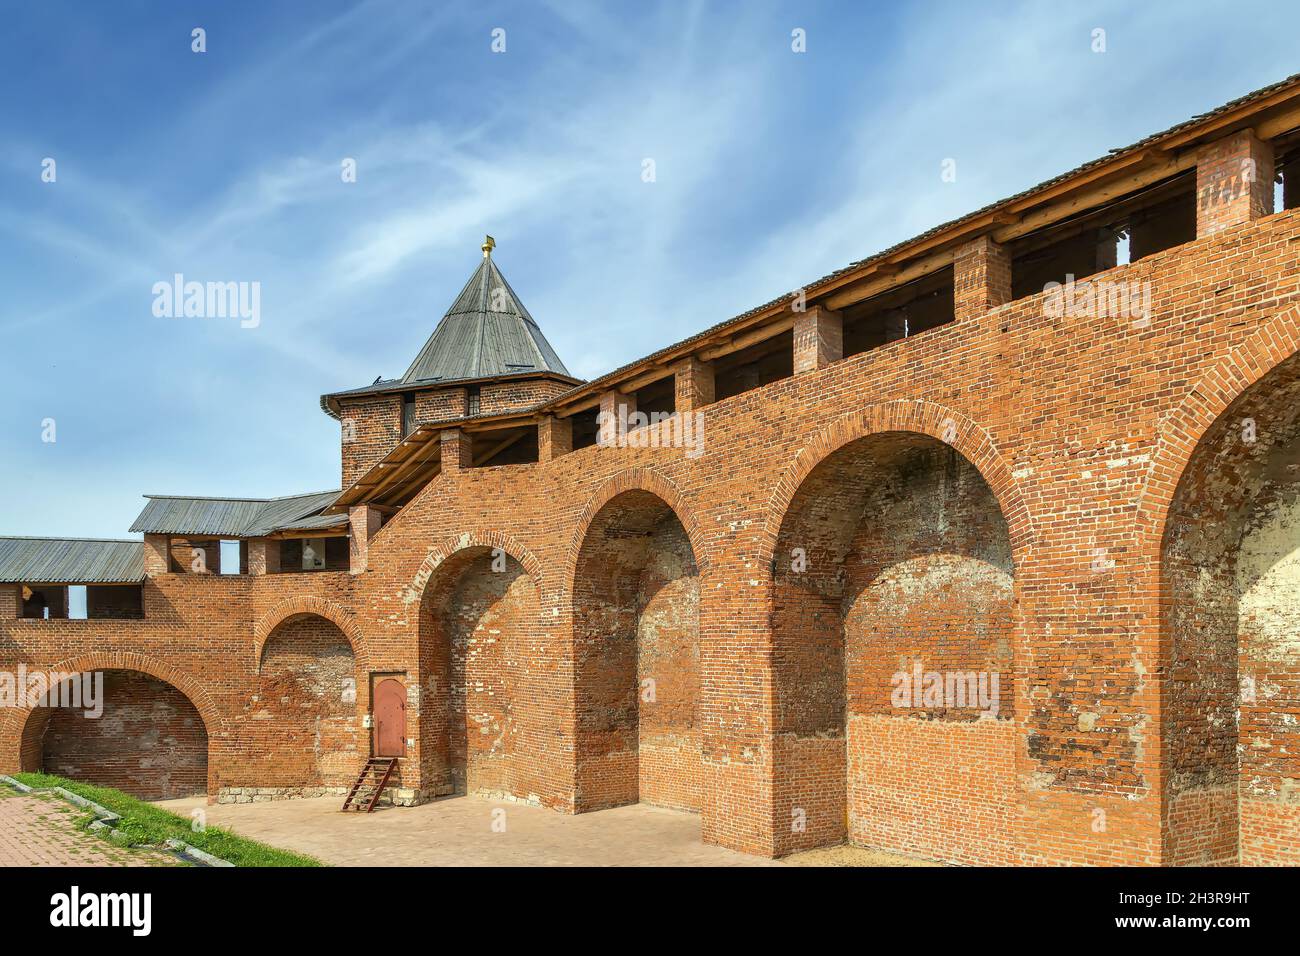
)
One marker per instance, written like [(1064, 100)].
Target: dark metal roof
[(486, 332), (280, 513), (315, 523), (229, 517), (71, 561), (329, 402)]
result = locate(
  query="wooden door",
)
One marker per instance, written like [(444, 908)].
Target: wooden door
[(390, 718)]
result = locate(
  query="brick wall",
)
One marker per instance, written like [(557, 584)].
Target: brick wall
[(893, 593), (195, 556), (495, 397), (668, 672), (370, 428), (440, 404), (485, 696), (1080, 426), (300, 725), (150, 741), (1233, 617), (636, 647)]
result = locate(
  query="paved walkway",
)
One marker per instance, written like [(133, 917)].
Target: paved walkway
[(43, 831), (459, 832)]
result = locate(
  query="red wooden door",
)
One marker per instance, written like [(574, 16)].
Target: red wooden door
[(390, 718)]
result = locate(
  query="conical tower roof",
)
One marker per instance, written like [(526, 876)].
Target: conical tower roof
[(486, 332)]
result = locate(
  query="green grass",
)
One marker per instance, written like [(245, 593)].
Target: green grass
[(147, 825)]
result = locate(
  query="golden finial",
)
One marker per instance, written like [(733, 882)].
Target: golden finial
[(488, 245)]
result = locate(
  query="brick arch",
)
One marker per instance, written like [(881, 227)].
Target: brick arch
[(331, 611), (634, 479), (476, 538), (927, 418), (213, 722), (1268, 347)]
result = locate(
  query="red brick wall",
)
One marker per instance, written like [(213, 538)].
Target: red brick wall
[(480, 707), (1234, 182), (195, 556), (636, 645), (668, 672), (1234, 693), (439, 405), (935, 789), (893, 579), (301, 723), (495, 397), (370, 428), (150, 741), (1080, 426)]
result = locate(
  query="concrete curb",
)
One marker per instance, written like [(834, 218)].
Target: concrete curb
[(106, 819), (198, 855)]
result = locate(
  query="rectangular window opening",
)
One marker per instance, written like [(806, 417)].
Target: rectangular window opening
[(504, 446), (917, 306), (307, 555), (585, 431), (657, 401), (234, 557), (754, 366), (77, 602), (1133, 227), (408, 413), (44, 603), (114, 602), (1287, 194)]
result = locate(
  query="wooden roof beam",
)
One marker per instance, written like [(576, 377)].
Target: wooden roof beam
[(498, 449), (396, 472)]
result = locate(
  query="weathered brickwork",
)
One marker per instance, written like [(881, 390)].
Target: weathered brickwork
[(892, 597), (495, 397), (302, 721), (636, 648), (475, 629), (1098, 510), (981, 278), (1233, 620), (440, 405), (370, 427), (150, 742), (1234, 182)]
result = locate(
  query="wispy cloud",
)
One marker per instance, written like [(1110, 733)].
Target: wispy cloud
[(771, 169)]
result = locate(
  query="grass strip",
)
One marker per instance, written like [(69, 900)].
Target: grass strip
[(147, 825)]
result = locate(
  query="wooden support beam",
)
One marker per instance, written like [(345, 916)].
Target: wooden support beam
[(498, 448), (866, 290), (400, 471)]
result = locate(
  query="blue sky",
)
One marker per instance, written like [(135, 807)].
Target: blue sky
[(771, 169)]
